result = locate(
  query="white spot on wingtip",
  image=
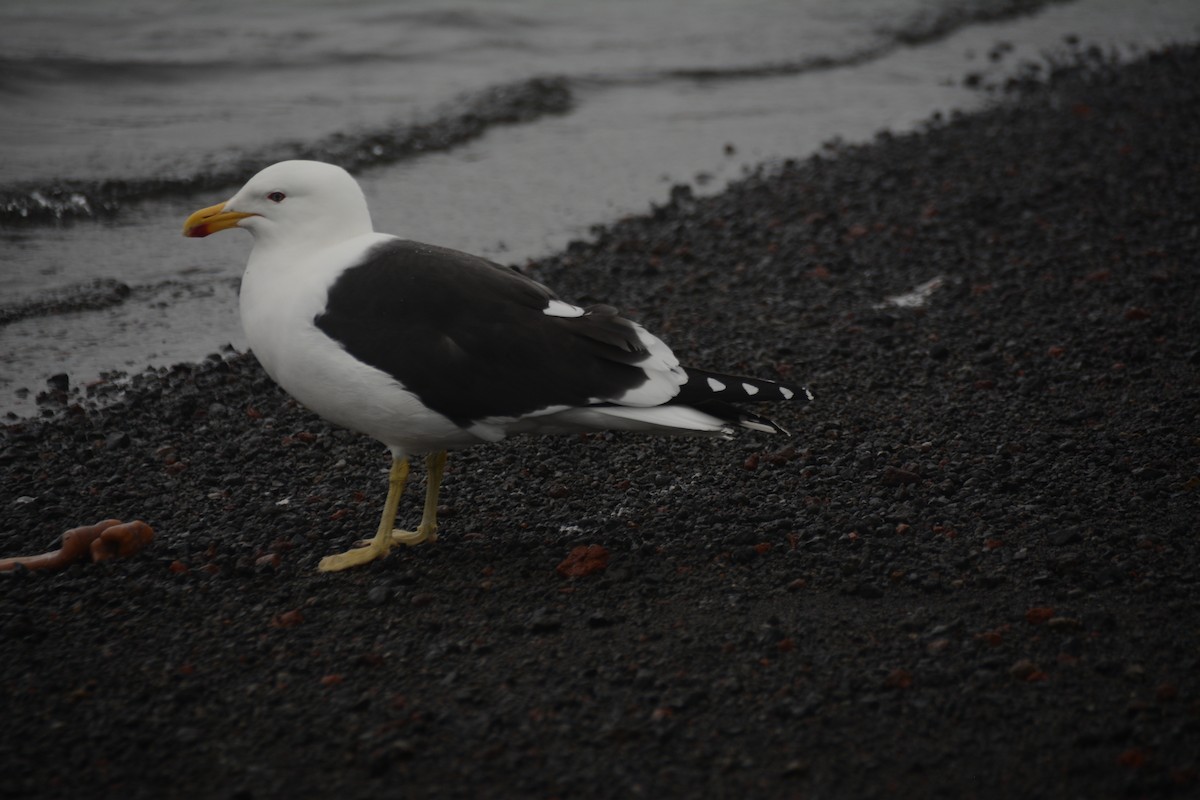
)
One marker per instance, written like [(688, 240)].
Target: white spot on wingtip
[(557, 308), (750, 388), (787, 393), (808, 393), (716, 385)]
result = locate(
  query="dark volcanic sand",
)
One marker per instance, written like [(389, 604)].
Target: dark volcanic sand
[(970, 571)]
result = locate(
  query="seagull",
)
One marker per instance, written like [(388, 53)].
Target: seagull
[(429, 349)]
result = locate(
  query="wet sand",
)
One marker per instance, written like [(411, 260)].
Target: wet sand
[(969, 571)]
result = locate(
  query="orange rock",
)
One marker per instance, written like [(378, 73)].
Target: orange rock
[(123, 539)]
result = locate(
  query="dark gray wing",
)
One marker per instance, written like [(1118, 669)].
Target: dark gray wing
[(470, 338)]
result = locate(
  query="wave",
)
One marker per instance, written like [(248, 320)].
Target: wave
[(490, 19), (99, 294), (18, 75), (468, 119), (924, 27), (931, 25), (26, 75), (88, 296)]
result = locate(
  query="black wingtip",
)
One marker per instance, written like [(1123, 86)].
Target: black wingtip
[(703, 385)]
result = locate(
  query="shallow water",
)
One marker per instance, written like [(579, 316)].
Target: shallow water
[(126, 120)]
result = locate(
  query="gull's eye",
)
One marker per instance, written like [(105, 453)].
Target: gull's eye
[(276, 197)]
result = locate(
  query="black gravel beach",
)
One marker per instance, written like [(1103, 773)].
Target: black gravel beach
[(969, 571)]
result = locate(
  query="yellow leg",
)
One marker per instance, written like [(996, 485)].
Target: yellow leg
[(379, 546), (435, 464)]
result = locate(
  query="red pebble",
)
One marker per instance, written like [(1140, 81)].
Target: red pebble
[(288, 619), (898, 679), (584, 560), (1166, 692), (1038, 615)]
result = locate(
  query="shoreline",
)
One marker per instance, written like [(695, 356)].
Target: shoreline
[(970, 570)]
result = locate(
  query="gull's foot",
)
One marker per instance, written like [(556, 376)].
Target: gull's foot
[(405, 537), (411, 538), (421, 534), (351, 558)]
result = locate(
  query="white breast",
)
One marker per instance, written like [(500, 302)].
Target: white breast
[(282, 294)]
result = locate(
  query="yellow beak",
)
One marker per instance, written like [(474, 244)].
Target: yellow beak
[(212, 219)]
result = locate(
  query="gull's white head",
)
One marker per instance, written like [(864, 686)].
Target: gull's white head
[(302, 201)]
